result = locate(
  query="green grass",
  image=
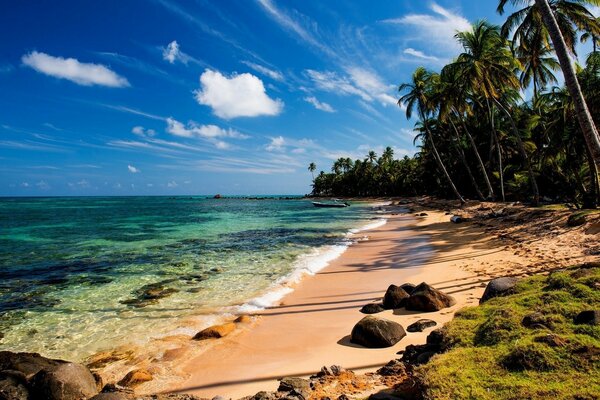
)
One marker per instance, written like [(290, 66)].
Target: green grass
[(495, 357)]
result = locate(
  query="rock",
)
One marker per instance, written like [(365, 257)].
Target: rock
[(67, 381), (373, 332), (394, 297), (26, 363), (372, 308), (536, 320), (215, 332), (589, 317), (499, 287), (295, 387), (427, 298), (393, 368), (149, 294), (135, 377), (422, 214), (262, 395), (13, 386), (576, 219), (243, 319), (408, 287), (421, 325), (551, 340), (457, 219)]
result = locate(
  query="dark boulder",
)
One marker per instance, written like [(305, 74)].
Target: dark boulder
[(421, 325), (394, 297), (499, 287), (536, 320), (67, 381), (429, 299), (372, 308), (576, 219), (408, 287), (26, 363), (373, 332), (589, 317)]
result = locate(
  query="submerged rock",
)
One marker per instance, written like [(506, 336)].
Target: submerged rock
[(394, 297), (150, 294), (372, 308), (215, 332), (499, 287), (421, 325), (426, 298), (376, 332)]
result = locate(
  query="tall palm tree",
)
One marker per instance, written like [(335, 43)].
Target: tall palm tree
[(418, 97), (312, 167), (535, 55), (488, 66), (560, 18)]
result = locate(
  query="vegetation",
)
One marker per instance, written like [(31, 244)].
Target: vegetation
[(495, 356), (477, 136)]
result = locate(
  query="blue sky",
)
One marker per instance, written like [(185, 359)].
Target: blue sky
[(144, 97)]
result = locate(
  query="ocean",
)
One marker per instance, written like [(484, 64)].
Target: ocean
[(81, 275)]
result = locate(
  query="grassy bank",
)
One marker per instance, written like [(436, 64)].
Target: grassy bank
[(525, 345)]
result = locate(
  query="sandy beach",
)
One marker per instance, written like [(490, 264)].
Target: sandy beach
[(311, 327)]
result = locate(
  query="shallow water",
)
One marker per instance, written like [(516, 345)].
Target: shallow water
[(79, 275)]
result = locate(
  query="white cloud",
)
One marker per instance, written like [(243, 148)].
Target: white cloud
[(419, 54), (25, 184), (276, 144), (133, 169), (319, 105), (276, 75), (172, 184), (192, 129), (437, 30), (241, 95), (42, 185), (143, 132), (86, 74), (171, 52)]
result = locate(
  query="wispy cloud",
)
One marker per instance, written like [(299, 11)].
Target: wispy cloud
[(172, 53), (276, 144), (436, 30), (271, 73), (242, 95), (419, 54), (133, 169), (134, 111), (85, 74), (143, 132), (318, 104)]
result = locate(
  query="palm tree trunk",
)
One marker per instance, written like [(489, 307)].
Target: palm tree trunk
[(463, 159), (495, 134), (583, 114), (474, 147), (532, 180), (594, 192), (439, 161)]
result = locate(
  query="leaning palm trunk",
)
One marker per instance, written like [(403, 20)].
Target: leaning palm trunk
[(583, 114), (594, 193), (439, 161), (463, 159), (498, 149), (479, 160), (521, 146)]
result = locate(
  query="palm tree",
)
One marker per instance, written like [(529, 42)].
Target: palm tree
[(312, 167), (589, 35), (418, 97), (488, 67), (559, 19), (534, 54)]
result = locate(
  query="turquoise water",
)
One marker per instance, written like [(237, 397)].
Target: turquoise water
[(79, 275)]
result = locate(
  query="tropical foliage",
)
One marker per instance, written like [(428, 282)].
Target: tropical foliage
[(477, 136)]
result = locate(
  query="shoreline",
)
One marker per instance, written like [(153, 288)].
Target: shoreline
[(310, 327)]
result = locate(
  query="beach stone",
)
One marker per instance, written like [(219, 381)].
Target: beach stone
[(576, 219), (110, 396), (67, 381), (135, 377), (13, 386), (499, 287), (421, 325), (589, 317), (295, 386), (408, 287), (394, 297), (457, 219), (215, 332), (426, 298), (373, 332), (372, 308), (27, 363)]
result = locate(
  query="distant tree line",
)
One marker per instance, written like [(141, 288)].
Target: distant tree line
[(477, 137)]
